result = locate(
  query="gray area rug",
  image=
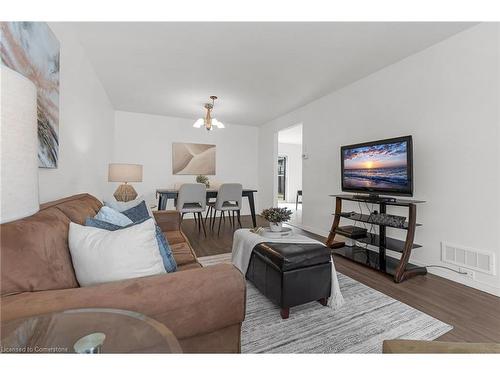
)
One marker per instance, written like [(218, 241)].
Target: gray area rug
[(367, 318)]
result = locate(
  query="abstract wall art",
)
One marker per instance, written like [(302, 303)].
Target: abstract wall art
[(31, 49), (193, 159)]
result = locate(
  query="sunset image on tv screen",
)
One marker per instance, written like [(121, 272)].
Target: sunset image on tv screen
[(382, 166)]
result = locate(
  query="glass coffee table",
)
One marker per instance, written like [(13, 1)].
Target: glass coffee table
[(110, 330)]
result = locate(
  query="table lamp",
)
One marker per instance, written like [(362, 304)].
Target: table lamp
[(125, 173)]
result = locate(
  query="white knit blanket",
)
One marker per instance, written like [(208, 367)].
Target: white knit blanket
[(244, 241)]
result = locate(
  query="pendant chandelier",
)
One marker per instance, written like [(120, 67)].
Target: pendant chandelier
[(208, 122)]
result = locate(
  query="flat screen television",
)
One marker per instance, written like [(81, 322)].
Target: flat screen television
[(380, 167)]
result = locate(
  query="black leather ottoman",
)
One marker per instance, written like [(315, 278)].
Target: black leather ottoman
[(291, 274)]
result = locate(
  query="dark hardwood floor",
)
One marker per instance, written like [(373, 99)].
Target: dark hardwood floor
[(475, 315)]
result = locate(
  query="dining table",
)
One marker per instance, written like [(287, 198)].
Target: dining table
[(164, 195)]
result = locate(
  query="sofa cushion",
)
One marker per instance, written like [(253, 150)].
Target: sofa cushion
[(182, 253), (35, 254), (174, 237)]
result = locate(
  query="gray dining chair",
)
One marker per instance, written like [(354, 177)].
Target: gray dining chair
[(192, 198), (214, 185), (229, 199), (299, 194)]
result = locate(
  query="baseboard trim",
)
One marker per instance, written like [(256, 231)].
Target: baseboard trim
[(449, 275)]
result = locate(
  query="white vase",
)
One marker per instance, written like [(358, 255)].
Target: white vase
[(276, 227)]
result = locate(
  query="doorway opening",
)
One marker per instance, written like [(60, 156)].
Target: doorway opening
[(282, 178), (289, 172)]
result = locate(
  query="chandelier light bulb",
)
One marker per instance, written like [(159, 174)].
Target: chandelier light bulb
[(199, 123)]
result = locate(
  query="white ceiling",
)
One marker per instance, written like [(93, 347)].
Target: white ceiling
[(291, 135), (259, 70)]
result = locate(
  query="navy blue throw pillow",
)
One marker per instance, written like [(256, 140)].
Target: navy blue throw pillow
[(137, 213), (166, 253)]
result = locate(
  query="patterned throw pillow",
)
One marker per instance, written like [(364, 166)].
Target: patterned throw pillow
[(165, 251)]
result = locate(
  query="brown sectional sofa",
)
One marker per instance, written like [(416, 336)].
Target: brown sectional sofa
[(204, 307)]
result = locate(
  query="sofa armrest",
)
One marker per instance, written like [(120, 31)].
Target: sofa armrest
[(189, 303), (167, 220)]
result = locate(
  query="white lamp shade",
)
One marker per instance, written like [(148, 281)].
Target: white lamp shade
[(19, 146), (199, 123), (125, 173), (217, 123)]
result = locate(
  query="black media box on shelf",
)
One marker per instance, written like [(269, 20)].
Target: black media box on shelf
[(351, 231)]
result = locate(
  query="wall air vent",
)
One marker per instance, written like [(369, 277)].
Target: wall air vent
[(477, 260)]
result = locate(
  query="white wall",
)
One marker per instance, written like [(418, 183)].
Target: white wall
[(147, 139), (294, 169), (85, 126), (447, 97)]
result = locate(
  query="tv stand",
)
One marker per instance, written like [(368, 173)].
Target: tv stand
[(375, 257)]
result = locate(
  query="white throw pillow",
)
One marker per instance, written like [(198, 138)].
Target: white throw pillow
[(124, 206), (101, 256)]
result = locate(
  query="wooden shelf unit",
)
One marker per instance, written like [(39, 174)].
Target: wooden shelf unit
[(399, 269)]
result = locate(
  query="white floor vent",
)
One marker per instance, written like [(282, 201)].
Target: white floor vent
[(477, 260)]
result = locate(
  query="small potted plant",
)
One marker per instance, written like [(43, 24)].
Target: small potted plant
[(276, 217), (201, 179)]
